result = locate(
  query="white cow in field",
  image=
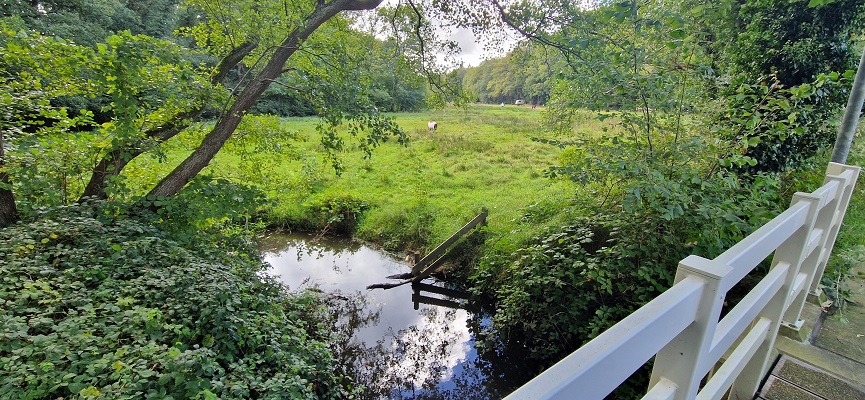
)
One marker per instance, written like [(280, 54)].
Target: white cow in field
[(432, 125)]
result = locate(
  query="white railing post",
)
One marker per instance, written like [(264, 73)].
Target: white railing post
[(791, 253), (846, 176), (826, 208), (682, 360), (681, 327)]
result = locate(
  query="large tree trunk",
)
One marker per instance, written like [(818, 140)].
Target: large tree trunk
[(851, 115), (8, 210), (225, 127), (118, 157)]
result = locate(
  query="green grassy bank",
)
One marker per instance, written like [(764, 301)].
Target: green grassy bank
[(411, 197)]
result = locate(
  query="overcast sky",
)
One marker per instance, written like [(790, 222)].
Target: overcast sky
[(472, 52)]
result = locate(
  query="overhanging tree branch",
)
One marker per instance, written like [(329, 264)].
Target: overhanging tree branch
[(246, 98), (234, 57), (119, 156)]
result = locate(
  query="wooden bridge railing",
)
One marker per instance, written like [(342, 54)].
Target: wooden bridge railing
[(682, 328)]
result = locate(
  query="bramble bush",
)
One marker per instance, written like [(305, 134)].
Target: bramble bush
[(653, 209), (96, 304), (576, 281)]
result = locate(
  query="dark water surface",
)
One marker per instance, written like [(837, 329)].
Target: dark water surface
[(391, 348)]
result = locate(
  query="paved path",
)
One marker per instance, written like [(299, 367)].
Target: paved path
[(830, 363), (795, 379), (844, 332)]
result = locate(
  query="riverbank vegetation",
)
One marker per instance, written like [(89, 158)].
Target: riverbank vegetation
[(137, 160), (100, 303)]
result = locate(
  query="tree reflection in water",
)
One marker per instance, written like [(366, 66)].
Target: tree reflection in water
[(392, 350), (434, 359)]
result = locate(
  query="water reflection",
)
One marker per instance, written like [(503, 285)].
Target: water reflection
[(389, 347)]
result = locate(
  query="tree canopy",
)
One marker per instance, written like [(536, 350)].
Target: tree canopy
[(147, 90), (89, 22), (126, 76)]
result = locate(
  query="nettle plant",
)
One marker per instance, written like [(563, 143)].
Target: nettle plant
[(95, 306)]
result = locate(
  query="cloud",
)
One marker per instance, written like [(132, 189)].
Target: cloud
[(474, 51), (471, 52)]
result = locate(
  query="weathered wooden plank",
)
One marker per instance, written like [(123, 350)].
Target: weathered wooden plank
[(421, 275), (439, 251), (416, 298), (440, 290)]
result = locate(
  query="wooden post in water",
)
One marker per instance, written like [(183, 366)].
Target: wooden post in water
[(418, 297), (427, 265), (421, 267)]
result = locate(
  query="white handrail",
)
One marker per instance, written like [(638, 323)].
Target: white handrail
[(600, 365), (682, 328)]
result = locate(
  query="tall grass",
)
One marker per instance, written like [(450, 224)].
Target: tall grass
[(407, 198), (848, 256)]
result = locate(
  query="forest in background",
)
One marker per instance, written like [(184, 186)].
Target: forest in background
[(674, 128)]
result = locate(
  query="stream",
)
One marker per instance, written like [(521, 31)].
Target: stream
[(394, 350)]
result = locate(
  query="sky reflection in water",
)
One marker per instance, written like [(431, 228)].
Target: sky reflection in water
[(393, 349)]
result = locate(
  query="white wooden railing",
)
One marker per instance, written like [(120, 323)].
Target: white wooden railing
[(697, 354)]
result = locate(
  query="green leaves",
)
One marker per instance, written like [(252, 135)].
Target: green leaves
[(162, 321), (206, 203), (773, 128), (819, 3), (136, 84), (573, 282)]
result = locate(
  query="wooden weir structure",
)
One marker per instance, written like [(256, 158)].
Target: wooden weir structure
[(418, 297), (430, 264)]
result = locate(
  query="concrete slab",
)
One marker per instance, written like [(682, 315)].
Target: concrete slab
[(779, 389), (844, 332), (815, 381), (838, 365)]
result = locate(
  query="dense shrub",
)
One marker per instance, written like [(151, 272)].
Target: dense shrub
[(103, 307), (204, 204), (576, 281), (781, 128), (278, 101), (337, 213)]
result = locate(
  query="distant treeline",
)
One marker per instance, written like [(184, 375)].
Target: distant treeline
[(523, 74)]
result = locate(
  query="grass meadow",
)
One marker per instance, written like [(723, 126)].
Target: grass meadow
[(410, 197)]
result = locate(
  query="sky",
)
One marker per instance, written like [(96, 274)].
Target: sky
[(472, 51)]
